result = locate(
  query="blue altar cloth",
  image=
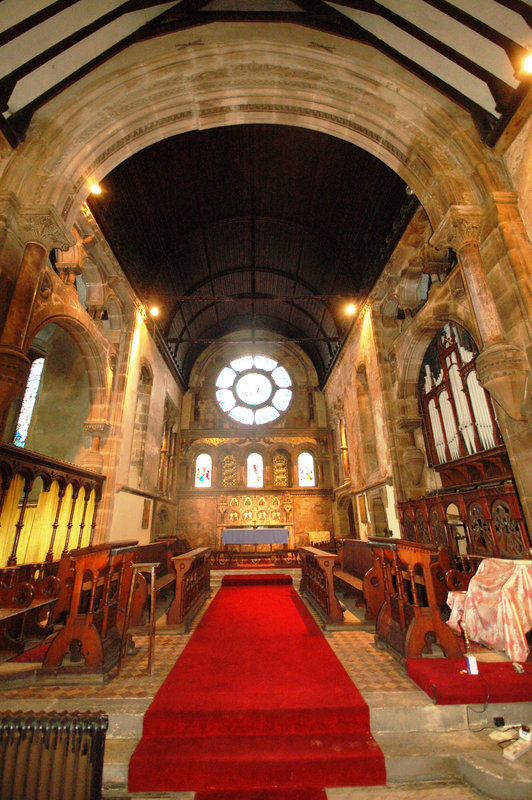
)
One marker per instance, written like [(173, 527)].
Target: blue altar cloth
[(255, 536)]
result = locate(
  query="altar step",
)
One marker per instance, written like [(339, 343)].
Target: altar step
[(421, 743)]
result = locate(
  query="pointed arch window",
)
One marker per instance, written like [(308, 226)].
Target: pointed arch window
[(28, 402), (255, 471), (306, 471), (203, 471)]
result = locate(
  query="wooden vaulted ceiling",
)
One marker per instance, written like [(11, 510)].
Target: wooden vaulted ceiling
[(261, 227), (253, 227)]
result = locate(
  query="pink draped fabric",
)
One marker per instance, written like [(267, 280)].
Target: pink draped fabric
[(496, 610)]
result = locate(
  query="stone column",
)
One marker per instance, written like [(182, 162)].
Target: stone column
[(501, 367), (37, 230)]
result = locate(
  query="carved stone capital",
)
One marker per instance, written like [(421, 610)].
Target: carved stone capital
[(14, 368), (460, 226), (409, 424), (44, 226), (96, 427), (502, 370)]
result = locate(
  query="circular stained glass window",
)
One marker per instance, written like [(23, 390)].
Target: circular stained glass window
[(253, 390)]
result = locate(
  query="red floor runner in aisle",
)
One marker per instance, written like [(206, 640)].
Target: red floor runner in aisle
[(447, 682), (256, 701)]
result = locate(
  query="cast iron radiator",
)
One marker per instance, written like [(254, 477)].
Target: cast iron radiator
[(51, 756)]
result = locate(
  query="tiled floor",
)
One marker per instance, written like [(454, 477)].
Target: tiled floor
[(372, 670)]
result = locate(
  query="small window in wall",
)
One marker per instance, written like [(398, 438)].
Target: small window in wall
[(28, 402), (203, 470), (305, 465), (255, 471)]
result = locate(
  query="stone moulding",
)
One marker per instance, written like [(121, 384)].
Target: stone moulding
[(14, 368), (503, 371)]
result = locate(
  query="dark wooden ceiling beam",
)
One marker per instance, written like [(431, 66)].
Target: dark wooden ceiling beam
[(501, 91), (9, 81), (34, 19), (513, 50), (519, 7)]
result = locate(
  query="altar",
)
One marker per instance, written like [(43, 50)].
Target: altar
[(255, 536)]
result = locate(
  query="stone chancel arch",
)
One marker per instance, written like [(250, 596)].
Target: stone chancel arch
[(233, 77)]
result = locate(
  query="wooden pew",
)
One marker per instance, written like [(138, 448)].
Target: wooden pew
[(192, 586), (317, 583), (353, 562), (24, 613), (410, 619), (161, 552), (90, 639)]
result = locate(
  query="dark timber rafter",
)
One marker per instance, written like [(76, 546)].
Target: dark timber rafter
[(313, 14)]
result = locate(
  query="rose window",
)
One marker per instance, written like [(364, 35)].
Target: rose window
[(254, 390)]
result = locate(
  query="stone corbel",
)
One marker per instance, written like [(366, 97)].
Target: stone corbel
[(412, 457), (502, 370), (407, 290)]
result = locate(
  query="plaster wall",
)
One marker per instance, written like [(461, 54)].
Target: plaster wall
[(142, 350)]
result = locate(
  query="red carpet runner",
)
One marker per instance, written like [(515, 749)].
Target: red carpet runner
[(256, 701)]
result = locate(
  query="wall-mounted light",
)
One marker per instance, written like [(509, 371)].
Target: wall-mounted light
[(96, 188), (350, 309), (524, 71), (154, 311)]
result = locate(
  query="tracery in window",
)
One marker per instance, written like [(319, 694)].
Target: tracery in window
[(203, 471), (28, 402), (255, 471), (305, 467), (254, 390)]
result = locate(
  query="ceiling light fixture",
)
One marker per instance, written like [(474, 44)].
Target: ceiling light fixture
[(350, 309), (154, 311), (527, 63)]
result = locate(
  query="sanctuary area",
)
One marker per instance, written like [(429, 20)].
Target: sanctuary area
[(265, 399)]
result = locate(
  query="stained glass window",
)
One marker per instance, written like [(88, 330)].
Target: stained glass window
[(203, 470), (253, 390), (28, 402), (305, 466), (255, 471)]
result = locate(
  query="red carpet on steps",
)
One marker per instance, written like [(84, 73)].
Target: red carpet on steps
[(257, 701), (447, 682)]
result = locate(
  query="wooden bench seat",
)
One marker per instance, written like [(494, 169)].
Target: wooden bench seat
[(160, 552), (22, 615)]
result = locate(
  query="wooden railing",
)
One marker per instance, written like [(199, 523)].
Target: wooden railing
[(192, 586), (490, 517), (317, 583), (74, 505)]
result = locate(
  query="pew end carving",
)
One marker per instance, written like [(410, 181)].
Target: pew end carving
[(410, 620), (192, 587), (90, 638)]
